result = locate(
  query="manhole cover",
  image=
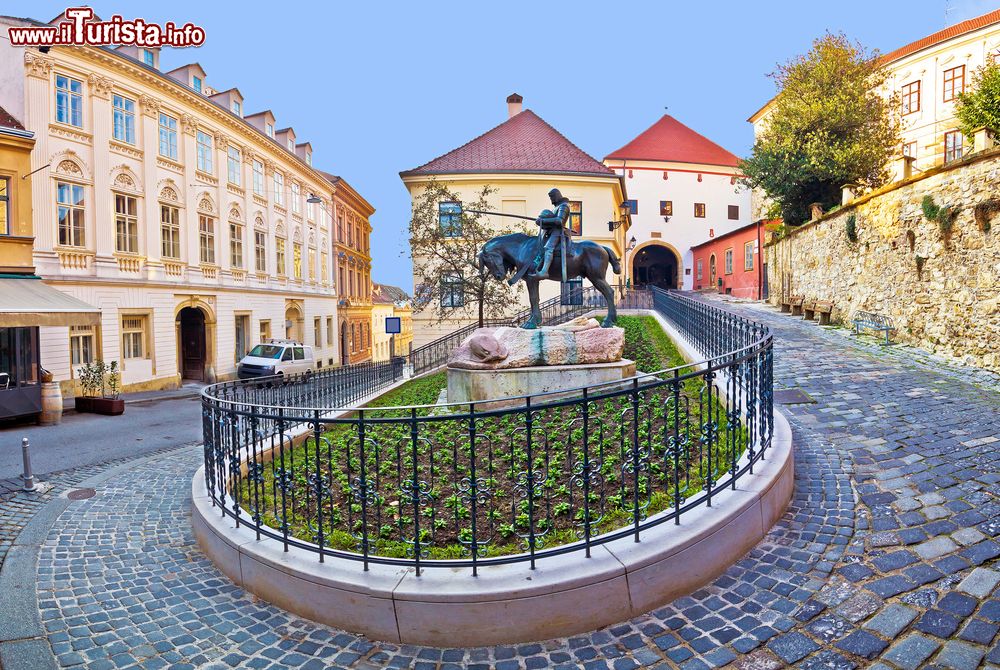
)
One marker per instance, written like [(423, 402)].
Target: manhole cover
[(792, 397), (81, 494)]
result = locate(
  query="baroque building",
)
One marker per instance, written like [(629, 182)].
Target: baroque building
[(390, 302), (522, 158), (683, 191), (195, 228)]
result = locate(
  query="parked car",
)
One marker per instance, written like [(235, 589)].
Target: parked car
[(277, 357)]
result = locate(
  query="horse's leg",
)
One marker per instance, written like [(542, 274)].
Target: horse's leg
[(605, 289), (536, 312)]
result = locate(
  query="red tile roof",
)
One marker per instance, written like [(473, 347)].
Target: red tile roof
[(522, 143), (943, 35), (670, 140), (8, 121)]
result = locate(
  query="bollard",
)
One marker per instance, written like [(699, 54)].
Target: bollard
[(29, 479)]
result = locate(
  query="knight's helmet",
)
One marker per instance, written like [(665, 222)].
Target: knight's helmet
[(555, 195)]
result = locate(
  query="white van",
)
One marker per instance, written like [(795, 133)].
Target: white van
[(277, 357)]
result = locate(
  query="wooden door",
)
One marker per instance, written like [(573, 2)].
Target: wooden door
[(192, 344)]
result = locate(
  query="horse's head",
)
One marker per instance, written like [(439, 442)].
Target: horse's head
[(492, 262)]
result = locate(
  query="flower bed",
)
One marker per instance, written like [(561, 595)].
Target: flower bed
[(461, 483)]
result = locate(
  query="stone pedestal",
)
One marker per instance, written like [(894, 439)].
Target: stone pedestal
[(502, 364), (503, 387)]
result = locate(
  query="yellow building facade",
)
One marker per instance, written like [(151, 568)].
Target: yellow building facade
[(352, 254), (387, 302), (196, 228), (528, 157)]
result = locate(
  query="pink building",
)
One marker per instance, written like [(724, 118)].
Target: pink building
[(732, 263)]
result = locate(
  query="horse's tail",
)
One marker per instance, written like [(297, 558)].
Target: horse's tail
[(615, 263)]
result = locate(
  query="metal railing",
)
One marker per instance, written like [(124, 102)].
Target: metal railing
[(434, 354), (472, 484)]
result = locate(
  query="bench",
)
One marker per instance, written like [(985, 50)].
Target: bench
[(872, 321), (808, 309), (824, 308), (795, 302)]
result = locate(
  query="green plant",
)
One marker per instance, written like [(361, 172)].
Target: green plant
[(828, 125), (984, 211), (89, 377), (114, 379), (851, 228), (979, 106), (944, 215)]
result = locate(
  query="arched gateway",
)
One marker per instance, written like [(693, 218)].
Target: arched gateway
[(656, 264)]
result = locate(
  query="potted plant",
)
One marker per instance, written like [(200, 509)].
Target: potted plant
[(90, 385), (101, 389)]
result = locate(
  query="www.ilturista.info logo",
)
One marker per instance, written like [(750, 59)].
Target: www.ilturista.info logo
[(79, 28)]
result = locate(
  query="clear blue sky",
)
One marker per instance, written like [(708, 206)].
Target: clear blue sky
[(379, 87)]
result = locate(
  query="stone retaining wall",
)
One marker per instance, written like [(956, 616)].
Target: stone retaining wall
[(942, 290)]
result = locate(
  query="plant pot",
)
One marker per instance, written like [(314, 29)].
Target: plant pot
[(83, 403), (108, 406)]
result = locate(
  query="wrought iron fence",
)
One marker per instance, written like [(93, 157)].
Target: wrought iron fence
[(467, 485)]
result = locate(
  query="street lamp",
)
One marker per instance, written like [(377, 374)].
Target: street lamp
[(628, 247), (623, 212)]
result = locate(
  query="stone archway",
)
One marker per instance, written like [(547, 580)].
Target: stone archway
[(194, 332), (656, 264), (294, 321)]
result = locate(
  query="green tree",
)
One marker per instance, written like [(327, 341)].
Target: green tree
[(445, 246), (980, 106), (830, 125)]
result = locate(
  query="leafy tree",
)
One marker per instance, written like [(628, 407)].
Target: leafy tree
[(448, 250), (830, 125), (980, 105)]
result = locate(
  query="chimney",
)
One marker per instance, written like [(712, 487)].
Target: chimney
[(513, 105)]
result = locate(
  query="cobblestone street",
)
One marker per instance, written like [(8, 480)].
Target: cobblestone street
[(886, 558)]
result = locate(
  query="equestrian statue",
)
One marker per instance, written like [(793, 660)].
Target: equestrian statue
[(530, 258)]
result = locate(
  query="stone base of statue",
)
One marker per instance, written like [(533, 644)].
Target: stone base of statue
[(501, 364)]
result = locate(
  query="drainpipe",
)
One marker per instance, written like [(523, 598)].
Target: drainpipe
[(760, 263)]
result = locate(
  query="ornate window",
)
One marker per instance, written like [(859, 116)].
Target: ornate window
[(206, 238), (235, 244), (279, 256), (134, 336), (69, 100), (204, 152), (258, 178), (4, 205), (168, 136), (279, 188), (71, 205), (952, 145), (297, 260), (126, 224), (954, 82), (452, 294), (449, 217), (910, 97), (82, 340), (170, 232), (260, 250), (575, 217), (123, 116), (235, 163)]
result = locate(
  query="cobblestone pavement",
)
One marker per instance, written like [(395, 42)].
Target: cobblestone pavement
[(886, 558)]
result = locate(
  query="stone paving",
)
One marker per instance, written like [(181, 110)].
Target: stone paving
[(887, 557)]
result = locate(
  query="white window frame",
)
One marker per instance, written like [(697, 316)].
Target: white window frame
[(206, 239), (234, 159), (258, 178), (236, 245), (69, 100), (296, 194), (123, 119), (279, 188), (126, 224), (133, 333), (206, 147), (170, 232), (76, 209), (167, 146)]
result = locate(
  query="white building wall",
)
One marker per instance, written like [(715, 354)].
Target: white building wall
[(685, 185)]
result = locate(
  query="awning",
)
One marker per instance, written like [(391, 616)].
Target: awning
[(26, 301)]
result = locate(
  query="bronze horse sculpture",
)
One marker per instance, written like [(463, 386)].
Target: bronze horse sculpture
[(516, 255)]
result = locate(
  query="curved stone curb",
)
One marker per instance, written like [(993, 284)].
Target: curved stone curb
[(564, 595)]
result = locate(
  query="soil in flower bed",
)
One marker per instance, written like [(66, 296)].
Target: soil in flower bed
[(645, 452)]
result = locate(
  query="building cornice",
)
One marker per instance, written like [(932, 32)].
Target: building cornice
[(180, 94)]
